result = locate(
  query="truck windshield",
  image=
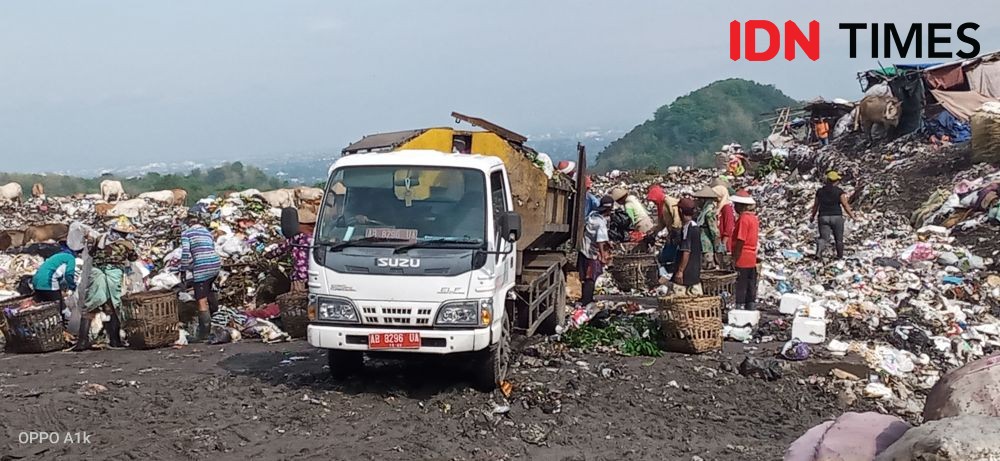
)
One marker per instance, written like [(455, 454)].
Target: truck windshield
[(404, 206)]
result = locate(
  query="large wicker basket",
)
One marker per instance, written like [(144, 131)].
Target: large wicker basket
[(33, 331), (635, 272), (716, 283), (294, 312), (691, 324), (150, 319)]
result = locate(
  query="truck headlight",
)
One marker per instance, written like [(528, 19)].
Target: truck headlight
[(336, 310), (469, 312)]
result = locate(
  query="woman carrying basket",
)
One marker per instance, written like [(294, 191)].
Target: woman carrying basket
[(111, 254)]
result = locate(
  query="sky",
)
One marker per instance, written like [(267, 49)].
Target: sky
[(86, 82)]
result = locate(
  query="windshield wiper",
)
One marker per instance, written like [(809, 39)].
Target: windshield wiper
[(437, 241), (360, 242)]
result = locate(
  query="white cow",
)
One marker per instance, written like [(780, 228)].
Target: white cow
[(280, 198), (110, 189), (128, 208), (11, 193), (163, 196), (308, 194)]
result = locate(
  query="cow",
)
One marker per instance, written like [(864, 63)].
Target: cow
[(883, 110), (128, 208), (163, 196), (308, 194), (45, 232), (38, 190), (180, 197), (12, 193), (11, 239), (102, 208), (111, 189), (280, 198)]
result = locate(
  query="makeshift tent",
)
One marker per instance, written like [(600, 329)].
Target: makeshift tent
[(909, 89), (984, 78), (962, 104)]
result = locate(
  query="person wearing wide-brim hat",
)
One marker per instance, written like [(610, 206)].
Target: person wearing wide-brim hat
[(637, 213), (111, 255), (708, 221), (745, 239), (830, 205)]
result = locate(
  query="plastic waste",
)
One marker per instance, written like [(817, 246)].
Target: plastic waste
[(795, 350), (792, 302), (809, 330)]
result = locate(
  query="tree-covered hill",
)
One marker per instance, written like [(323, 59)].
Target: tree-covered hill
[(688, 130)]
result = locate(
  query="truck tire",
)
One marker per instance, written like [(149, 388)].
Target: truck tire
[(558, 316), (343, 364), (492, 367)]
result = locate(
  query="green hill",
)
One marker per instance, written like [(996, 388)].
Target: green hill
[(689, 130), (198, 183)]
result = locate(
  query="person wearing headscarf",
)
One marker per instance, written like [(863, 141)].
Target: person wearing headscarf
[(666, 209), (595, 251), (708, 221), (111, 255), (830, 205), (637, 213), (727, 220)]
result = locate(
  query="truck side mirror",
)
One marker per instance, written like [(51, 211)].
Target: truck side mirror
[(289, 222), (510, 226)]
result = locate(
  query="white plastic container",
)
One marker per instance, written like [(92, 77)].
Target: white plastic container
[(741, 317), (791, 302), (809, 330)]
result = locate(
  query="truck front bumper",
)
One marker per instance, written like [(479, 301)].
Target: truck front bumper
[(431, 341)]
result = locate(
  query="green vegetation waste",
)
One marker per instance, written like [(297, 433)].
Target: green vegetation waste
[(198, 183), (688, 131), (631, 336)]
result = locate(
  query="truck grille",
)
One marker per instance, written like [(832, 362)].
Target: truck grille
[(402, 316)]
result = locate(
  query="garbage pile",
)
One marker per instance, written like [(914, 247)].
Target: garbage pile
[(245, 227)]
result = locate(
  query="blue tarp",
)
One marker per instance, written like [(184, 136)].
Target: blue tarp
[(946, 124)]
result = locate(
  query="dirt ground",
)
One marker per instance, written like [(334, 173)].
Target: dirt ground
[(255, 401)]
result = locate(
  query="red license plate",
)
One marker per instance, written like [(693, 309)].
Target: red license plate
[(394, 341)]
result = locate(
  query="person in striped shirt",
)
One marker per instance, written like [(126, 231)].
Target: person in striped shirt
[(199, 257)]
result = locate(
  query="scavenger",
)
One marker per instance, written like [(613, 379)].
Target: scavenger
[(199, 257), (745, 250), (687, 276), (595, 252), (111, 254), (830, 205)]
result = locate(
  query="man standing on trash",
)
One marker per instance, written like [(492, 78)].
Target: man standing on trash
[(111, 254), (830, 205), (199, 257), (823, 131), (595, 252), (687, 276), (745, 250)]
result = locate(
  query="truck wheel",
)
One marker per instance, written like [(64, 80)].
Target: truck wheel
[(558, 315), (344, 363), (491, 369)]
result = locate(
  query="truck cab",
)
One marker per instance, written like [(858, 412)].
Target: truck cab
[(419, 251)]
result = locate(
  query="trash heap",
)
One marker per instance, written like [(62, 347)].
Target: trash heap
[(247, 237)]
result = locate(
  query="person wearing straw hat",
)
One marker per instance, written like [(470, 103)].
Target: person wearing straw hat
[(708, 221), (830, 205), (745, 250), (198, 256), (595, 252), (637, 213), (111, 255)]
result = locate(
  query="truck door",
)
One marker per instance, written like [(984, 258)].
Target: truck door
[(499, 197)]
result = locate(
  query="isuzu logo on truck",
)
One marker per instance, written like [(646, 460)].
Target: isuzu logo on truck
[(397, 262)]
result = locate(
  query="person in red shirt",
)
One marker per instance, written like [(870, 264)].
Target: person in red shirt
[(727, 221), (745, 250)]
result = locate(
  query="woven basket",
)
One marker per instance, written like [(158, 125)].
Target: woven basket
[(638, 272), (33, 331), (294, 312), (150, 319), (691, 325), (715, 283)]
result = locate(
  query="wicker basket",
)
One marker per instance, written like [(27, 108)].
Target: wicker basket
[(150, 319), (294, 312), (638, 272), (691, 325), (33, 331), (715, 283)]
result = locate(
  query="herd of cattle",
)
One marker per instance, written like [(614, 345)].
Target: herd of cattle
[(113, 201)]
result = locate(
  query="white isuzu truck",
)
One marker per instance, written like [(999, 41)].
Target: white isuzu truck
[(440, 241)]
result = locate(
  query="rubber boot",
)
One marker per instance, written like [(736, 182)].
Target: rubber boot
[(82, 336), (114, 330), (213, 302), (204, 325), (751, 306)]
